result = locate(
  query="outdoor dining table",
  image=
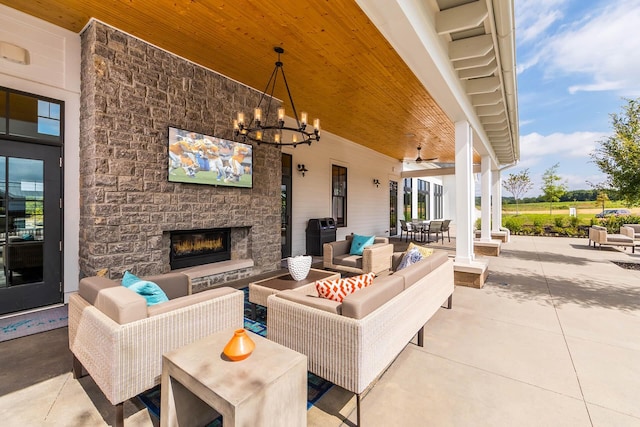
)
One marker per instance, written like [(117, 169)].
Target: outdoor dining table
[(421, 227)]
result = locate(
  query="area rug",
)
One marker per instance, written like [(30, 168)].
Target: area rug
[(34, 322), (316, 386)]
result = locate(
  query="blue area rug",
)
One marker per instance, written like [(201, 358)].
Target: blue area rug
[(316, 386), (33, 323)]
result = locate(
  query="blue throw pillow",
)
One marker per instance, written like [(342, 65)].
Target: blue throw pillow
[(358, 243), (149, 290), (411, 257)]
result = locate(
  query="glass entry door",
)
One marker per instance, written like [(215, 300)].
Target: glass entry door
[(30, 226), (393, 208)]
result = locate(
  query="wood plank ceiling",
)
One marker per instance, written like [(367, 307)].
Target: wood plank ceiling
[(338, 65)]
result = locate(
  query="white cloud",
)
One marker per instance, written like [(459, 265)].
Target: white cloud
[(603, 47), (534, 146)]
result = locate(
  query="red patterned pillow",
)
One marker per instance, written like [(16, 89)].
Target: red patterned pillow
[(337, 290)]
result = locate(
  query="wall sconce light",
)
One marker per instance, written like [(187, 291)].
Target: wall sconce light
[(303, 169), (376, 182)]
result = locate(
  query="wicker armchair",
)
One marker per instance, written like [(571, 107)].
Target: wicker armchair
[(119, 341), (375, 258)]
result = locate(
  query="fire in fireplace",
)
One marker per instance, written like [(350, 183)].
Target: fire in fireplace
[(197, 247)]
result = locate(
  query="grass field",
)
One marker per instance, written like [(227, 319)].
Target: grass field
[(209, 178)]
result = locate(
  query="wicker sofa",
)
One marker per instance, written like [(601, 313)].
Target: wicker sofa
[(351, 343), (599, 235), (119, 341), (375, 258)]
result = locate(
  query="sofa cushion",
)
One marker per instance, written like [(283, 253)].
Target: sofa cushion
[(360, 304), (336, 290), (145, 288), (358, 243), (417, 271), (313, 301)]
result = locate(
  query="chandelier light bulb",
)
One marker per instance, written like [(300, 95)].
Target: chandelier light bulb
[(257, 115), (241, 118), (281, 114), (316, 125), (303, 118)]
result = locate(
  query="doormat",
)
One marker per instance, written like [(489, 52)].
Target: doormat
[(33, 322), (316, 386)]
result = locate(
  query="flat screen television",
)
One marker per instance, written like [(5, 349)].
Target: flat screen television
[(195, 158)]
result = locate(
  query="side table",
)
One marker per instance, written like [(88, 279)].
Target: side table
[(269, 388)]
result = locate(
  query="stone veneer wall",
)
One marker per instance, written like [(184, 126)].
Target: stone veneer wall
[(131, 93)]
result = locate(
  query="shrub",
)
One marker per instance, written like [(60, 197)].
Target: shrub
[(574, 221), (514, 224), (538, 222), (558, 221)]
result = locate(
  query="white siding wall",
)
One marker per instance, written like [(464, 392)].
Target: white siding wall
[(367, 205), (54, 71)]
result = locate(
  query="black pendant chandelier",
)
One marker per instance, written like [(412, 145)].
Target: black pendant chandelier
[(267, 128)]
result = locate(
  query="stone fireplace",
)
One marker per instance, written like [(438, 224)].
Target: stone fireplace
[(131, 93)]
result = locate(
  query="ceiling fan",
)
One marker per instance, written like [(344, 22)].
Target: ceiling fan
[(420, 159)]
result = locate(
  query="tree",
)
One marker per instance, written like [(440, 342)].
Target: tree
[(618, 156), (602, 199), (518, 184), (552, 188)]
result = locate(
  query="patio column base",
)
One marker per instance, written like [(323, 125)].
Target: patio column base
[(472, 275), (503, 236), (486, 247)]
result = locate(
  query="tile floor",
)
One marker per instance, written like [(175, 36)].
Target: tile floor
[(551, 340)]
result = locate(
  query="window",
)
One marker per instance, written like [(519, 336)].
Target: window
[(30, 117), (423, 199), (339, 195), (437, 200), (408, 191)]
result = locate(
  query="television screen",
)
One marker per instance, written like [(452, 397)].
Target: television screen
[(195, 158)]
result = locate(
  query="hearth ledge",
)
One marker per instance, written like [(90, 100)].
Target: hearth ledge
[(215, 268)]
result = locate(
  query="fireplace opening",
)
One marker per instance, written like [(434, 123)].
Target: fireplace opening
[(196, 247)]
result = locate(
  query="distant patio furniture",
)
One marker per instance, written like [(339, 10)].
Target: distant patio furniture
[(599, 235), (436, 228), (445, 227), (406, 228), (633, 231), (22, 256)]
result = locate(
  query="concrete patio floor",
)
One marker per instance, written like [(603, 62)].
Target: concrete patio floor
[(553, 339)]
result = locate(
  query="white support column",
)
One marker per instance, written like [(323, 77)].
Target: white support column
[(485, 199), (465, 193), (496, 208)]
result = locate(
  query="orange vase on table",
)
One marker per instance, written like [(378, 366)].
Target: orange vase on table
[(240, 346)]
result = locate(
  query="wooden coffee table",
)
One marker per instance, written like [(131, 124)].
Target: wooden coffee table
[(269, 388), (260, 290)]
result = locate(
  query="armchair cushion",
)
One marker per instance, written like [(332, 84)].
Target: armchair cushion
[(358, 243)]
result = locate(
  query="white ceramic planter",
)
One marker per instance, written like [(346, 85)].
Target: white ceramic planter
[(299, 266)]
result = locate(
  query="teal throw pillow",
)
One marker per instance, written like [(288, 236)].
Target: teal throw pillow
[(358, 243), (149, 290)]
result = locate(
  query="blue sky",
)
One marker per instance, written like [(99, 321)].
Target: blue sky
[(576, 61)]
